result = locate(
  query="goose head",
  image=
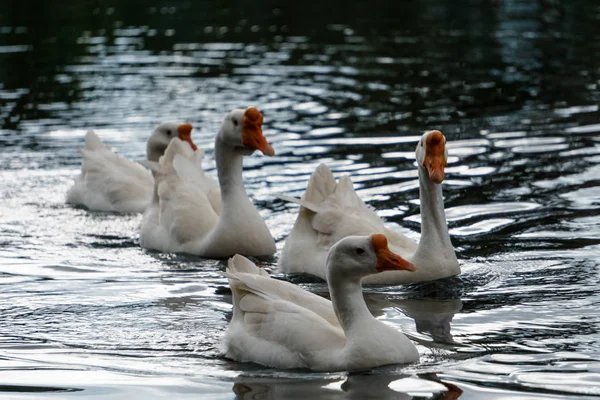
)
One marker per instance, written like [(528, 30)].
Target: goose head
[(163, 134), (432, 155), (359, 256), (242, 130)]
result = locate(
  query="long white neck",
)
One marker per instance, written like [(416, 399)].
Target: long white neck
[(229, 169), (369, 342), (434, 257), (239, 228), (349, 305), (434, 229)]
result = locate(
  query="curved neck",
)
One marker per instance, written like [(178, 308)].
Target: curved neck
[(240, 228), (229, 169), (434, 229), (349, 304)]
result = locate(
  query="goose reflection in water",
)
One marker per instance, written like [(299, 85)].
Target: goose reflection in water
[(432, 316), (354, 386)]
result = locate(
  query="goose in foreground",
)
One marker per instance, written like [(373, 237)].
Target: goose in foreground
[(332, 210), (278, 324), (193, 214), (111, 182)]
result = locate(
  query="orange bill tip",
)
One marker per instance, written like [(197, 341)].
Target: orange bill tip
[(252, 134), (386, 259), (185, 134), (435, 156)]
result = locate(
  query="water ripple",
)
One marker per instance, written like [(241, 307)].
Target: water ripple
[(81, 302)]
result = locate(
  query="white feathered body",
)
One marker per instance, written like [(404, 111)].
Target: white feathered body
[(186, 204), (186, 213), (109, 181), (278, 324), (329, 212), (332, 210)]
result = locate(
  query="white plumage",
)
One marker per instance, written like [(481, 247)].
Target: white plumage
[(278, 324), (332, 210), (191, 213), (111, 182)]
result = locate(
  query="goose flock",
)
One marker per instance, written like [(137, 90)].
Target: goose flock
[(336, 237)]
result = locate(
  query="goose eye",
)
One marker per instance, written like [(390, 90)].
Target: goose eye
[(235, 122), (169, 132), (421, 143), (359, 251)]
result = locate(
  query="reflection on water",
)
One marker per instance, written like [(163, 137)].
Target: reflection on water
[(432, 316), (353, 386), (513, 84)]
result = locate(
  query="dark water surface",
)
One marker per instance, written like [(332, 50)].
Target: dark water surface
[(514, 85)]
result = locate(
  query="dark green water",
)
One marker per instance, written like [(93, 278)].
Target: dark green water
[(514, 86)]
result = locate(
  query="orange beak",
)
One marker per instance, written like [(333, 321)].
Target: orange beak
[(435, 157), (185, 133), (386, 259), (252, 136)]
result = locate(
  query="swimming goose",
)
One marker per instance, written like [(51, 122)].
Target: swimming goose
[(278, 324), (193, 214), (330, 211), (111, 182)]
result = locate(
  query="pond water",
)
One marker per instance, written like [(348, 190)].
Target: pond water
[(514, 86)]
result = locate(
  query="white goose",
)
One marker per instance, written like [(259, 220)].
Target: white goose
[(191, 214), (111, 182), (278, 324), (330, 211)]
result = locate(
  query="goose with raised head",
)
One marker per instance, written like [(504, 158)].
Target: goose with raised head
[(278, 324), (332, 210), (111, 182), (193, 214)]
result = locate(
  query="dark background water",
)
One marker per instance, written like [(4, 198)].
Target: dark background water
[(514, 86)]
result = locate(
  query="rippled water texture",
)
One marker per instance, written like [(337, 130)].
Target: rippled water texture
[(513, 85)]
